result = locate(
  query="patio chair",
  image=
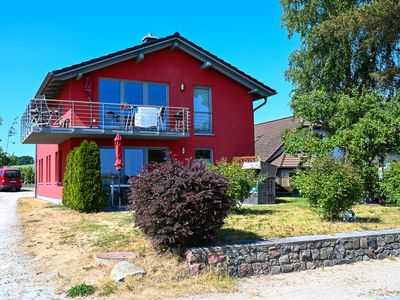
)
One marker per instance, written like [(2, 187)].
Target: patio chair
[(41, 113)]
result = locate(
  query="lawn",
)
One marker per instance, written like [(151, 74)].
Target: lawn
[(64, 242), (294, 217)]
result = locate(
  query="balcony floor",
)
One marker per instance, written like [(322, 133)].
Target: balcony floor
[(51, 135)]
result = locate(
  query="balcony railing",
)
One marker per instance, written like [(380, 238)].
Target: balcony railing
[(83, 118)]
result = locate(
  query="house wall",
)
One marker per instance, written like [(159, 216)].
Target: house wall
[(232, 109)]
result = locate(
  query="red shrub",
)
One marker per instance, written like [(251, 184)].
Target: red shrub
[(179, 204)]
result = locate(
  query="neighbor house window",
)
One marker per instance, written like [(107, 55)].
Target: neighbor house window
[(204, 155), (202, 110)]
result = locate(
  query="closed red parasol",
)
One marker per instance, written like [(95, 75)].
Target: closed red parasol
[(118, 152)]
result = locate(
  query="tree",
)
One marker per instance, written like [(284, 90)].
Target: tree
[(241, 181), (24, 160), (345, 76), (11, 131), (82, 180)]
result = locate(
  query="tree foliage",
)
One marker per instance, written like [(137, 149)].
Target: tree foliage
[(346, 76), (331, 186), (240, 181), (391, 182)]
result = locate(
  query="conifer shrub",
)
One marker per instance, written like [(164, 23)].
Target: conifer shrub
[(82, 189), (179, 204)]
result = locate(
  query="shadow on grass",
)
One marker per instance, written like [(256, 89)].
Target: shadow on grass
[(283, 201), (247, 211), (229, 235), (368, 220)]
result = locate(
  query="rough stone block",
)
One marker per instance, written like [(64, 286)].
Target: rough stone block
[(343, 261), (274, 253), (323, 254), (348, 246), (364, 243), (328, 263), (356, 244), (216, 257), (275, 270), (196, 268), (389, 239), (315, 254), (305, 255), (294, 257), (262, 256), (245, 270), (284, 259), (380, 241), (372, 243), (257, 269), (287, 268), (310, 265)]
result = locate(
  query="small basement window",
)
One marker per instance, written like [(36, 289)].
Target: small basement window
[(204, 155)]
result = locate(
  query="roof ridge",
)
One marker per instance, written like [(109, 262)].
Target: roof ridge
[(270, 121)]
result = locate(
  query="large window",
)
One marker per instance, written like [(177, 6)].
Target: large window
[(202, 110), (204, 155), (133, 159), (132, 92)]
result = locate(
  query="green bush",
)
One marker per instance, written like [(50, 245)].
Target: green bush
[(82, 179), (332, 186), (81, 290), (391, 182), (28, 174), (240, 181)]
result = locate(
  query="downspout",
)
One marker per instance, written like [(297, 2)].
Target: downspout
[(261, 105)]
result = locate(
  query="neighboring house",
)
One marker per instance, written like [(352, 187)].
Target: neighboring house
[(269, 147), (164, 96)]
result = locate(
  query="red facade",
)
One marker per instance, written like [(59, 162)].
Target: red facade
[(232, 112)]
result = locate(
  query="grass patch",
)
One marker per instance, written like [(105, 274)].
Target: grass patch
[(66, 242), (81, 290), (109, 288), (294, 217)]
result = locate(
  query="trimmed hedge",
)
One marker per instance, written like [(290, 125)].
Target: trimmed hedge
[(179, 204), (82, 189)]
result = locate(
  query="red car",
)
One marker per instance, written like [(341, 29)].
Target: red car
[(10, 179)]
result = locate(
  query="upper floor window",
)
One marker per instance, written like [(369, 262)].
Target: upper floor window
[(133, 92), (202, 110)]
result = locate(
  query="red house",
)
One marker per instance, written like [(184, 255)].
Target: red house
[(166, 95)]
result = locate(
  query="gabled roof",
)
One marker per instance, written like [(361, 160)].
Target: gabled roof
[(57, 78), (267, 135)]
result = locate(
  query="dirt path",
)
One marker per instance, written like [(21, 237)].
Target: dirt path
[(364, 280), (17, 281)]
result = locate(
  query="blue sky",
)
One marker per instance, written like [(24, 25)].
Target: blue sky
[(40, 36)]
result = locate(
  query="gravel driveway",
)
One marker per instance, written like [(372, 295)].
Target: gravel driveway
[(17, 281)]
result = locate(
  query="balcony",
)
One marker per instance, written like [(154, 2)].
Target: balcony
[(54, 121)]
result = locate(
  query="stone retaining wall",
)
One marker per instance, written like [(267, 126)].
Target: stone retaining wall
[(295, 253)]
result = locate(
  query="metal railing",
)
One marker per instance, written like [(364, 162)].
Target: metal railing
[(46, 113)]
